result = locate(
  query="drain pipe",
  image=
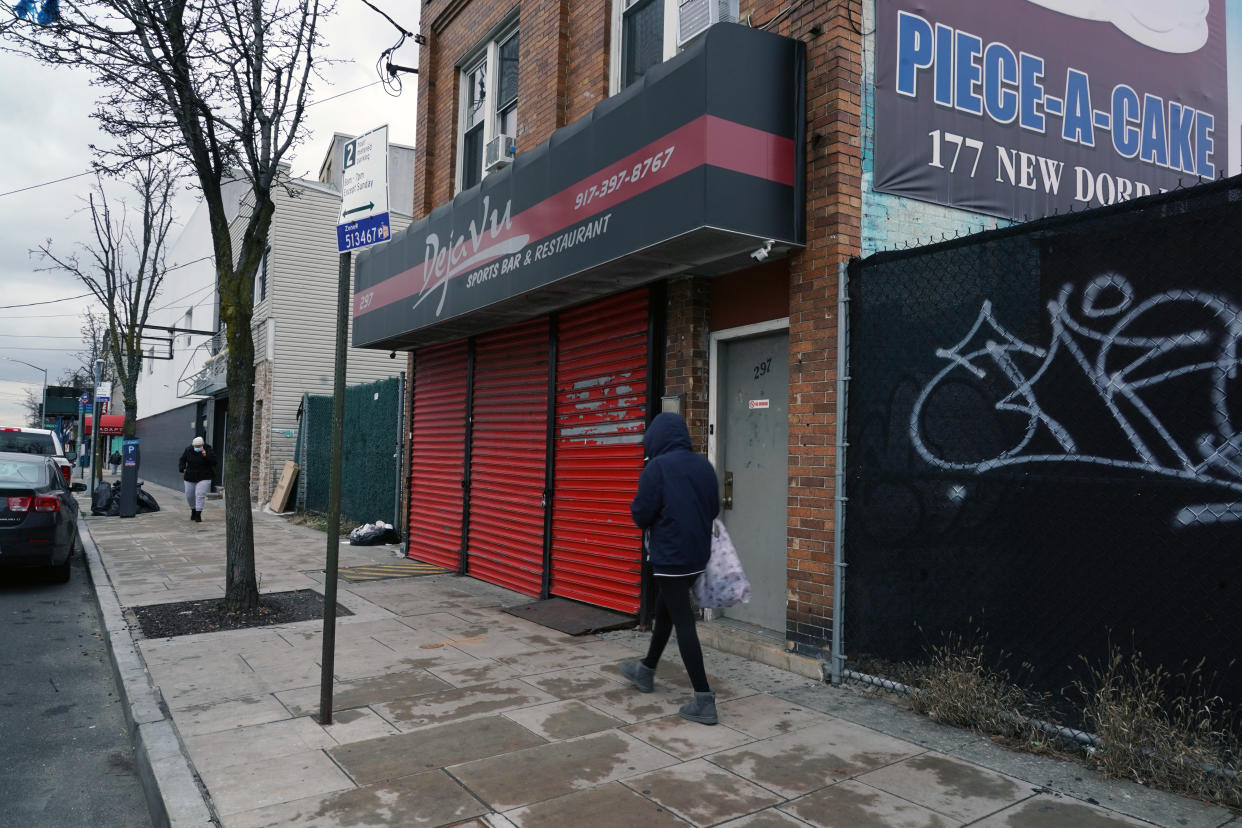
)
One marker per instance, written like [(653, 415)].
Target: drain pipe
[(837, 655)]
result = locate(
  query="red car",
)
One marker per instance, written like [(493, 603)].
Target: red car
[(38, 515)]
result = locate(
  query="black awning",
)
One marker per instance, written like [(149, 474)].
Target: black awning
[(687, 171)]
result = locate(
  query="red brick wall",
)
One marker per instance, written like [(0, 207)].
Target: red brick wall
[(832, 33), (565, 57), (686, 352)]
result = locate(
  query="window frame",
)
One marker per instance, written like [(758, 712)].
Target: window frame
[(488, 50), (260, 279), (618, 31)]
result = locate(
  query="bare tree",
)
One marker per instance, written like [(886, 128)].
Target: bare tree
[(124, 268), (94, 333), (34, 409), (94, 330), (222, 84)]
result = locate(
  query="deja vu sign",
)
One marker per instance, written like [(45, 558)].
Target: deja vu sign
[(1022, 108)]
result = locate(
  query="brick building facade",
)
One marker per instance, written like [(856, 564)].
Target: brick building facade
[(569, 64)]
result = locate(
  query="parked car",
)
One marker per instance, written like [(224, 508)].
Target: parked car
[(38, 515), (38, 441)]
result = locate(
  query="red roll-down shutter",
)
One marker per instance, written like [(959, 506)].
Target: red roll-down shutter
[(601, 403), (437, 458), (508, 456)]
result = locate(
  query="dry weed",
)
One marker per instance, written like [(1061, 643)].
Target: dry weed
[(957, 686), (1186, 741)]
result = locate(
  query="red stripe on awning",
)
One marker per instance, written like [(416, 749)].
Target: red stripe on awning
[(705, 140)]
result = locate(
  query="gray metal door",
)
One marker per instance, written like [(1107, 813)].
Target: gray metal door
[(752, 416)]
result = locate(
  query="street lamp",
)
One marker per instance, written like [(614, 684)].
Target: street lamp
[(43, 413)]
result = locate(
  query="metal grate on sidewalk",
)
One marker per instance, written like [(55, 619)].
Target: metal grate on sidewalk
[(397, 569)]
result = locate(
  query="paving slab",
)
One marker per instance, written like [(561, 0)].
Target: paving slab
[(211, 751), (546, 661), (391, 757), (685, 739), (797, 763), (762, 715), (460, 703), (630, 706), (469, 673), (1082, 783), (702, 793), (769, 818), (361, 692), (553, 770), (247, 785), (575, 682), (358, 725), (1056, 812), (562, 719), (852, 804), (949, 786), (607, 806), (429, 798), (208, 717)]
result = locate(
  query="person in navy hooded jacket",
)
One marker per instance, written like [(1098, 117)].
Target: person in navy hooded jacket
[(677, 501)]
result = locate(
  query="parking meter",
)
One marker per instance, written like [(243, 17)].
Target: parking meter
[(129, 477)]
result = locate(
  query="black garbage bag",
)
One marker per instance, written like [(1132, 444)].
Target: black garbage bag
[(101, 499), (146, 502), (114, 505), (373, 534)]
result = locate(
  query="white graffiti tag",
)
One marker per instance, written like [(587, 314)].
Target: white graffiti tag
[(1175, 351)]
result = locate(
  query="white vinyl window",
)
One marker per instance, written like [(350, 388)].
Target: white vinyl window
[(489, 101), (644, 35)]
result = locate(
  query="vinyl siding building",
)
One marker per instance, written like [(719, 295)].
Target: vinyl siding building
[(294, 322)]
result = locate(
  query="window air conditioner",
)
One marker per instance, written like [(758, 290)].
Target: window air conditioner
[(498, 153), (695, 16)]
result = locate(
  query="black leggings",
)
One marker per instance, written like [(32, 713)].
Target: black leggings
[(672, 597)]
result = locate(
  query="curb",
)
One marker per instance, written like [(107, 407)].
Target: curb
[(174, 797)]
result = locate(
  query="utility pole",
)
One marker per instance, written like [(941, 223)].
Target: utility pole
[(99, 366)]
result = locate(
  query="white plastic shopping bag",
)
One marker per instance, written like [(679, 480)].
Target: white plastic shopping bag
[(723, 583)]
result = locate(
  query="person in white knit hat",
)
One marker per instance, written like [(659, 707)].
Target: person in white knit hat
[(197, 465)]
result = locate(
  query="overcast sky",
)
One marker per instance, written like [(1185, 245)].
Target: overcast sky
[(46, 131)]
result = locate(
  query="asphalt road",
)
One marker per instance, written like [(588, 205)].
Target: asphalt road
[(65, 754)]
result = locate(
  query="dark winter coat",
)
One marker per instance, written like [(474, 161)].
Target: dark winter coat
[(677, 499), (197, 466), (115, 458)]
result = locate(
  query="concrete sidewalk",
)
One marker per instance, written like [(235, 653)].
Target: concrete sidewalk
[(454, 712)]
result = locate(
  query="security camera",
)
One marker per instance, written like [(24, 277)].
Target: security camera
[(762, 253), (392, 355)]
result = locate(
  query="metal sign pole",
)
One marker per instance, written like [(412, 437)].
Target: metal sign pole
[(362, 222), (334, 494)]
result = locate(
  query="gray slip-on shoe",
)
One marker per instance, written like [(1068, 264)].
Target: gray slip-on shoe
[(639, 674), (701, 710)]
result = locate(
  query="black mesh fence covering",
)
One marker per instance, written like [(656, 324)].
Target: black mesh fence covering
[(369, 483), (1045, 442)]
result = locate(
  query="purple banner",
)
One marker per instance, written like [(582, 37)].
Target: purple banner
[(1023, 108)]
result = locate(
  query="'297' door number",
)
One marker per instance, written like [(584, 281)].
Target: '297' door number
[(763, 368)]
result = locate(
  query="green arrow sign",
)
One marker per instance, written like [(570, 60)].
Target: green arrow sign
[(368, 206)]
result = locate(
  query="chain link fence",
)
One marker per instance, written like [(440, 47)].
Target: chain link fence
[(1045, 449), (370, 476)]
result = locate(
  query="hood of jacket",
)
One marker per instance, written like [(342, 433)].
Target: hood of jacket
[(666, 433)]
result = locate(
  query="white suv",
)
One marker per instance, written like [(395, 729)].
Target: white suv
[(37, 441)]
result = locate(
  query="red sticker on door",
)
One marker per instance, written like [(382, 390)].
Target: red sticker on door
[(759, 404)]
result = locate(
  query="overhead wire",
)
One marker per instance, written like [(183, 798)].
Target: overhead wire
[(389, 74), (83, 295), (92, 172)]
